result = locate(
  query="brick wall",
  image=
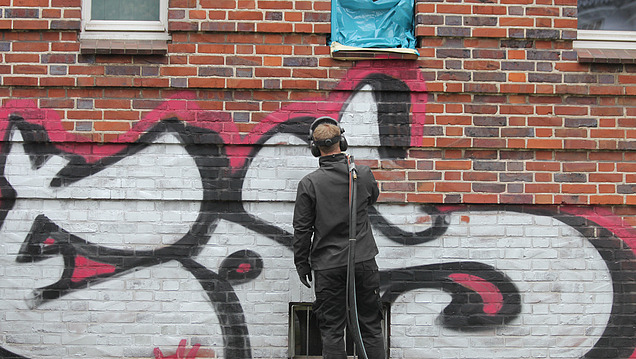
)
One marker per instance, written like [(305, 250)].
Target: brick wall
[(151, 195)]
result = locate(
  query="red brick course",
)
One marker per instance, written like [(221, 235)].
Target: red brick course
[(515, 114)]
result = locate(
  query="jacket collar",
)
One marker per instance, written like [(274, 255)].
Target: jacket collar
[(330, 159)]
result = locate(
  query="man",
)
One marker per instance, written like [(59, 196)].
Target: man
[(321, 240)]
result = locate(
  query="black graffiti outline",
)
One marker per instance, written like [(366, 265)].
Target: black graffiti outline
[(199, 142), (620, 329)]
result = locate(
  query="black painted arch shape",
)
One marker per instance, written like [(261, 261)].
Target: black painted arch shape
[(466, 310)]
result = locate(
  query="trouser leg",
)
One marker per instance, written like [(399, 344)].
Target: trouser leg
[(330, 309), (370, 309)]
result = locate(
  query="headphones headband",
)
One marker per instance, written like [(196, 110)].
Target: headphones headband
[(326, 142), (320, 121)]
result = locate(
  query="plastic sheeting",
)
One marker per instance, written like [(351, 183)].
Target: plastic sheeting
[(373, 24)]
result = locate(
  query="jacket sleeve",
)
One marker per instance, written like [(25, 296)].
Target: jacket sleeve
[(372, 184), (304, 218)]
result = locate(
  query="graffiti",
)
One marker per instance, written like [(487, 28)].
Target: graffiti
[(181, 228), (180, 354), (483, 298)]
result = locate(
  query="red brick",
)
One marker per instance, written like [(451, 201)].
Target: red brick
[(570, 110), (607, 90), (424, 198), (51, 13), (19, 81), (83, 115), (453, 142), (543, 166), (544, 143), (452, 187), (30, 69), (111, 126), (22, 58), (490, 32), (275, 27), (397, 187), (57, 103), (113, 81), (606, 199), (293, 16), (273, 49), (542, 188), (516, 22), (391, 197), (299, 84), (218, 4), (578, 188), (132, 116), (453, 165), (244, 83), (580, 144), (389, 175), (65, 46), (245, 15), (181, 71), (454, 9), (607, 133), (489, 10), (30, 24), (279, 4), (605, 177)]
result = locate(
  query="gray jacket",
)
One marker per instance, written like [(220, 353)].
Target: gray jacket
[(322, 212)]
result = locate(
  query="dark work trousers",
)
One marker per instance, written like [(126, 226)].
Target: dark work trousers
[(331, 311)]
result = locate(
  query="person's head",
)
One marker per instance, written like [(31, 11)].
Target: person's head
[(325, 132)]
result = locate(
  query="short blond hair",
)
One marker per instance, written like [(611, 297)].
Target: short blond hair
[(325, 131)]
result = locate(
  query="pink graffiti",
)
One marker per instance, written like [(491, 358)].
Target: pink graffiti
[(185, 107), (244, 268), (85, 268), (611, 222), (490, 294), (603, 217), (180, 354)]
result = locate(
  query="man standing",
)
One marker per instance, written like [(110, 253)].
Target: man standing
[(321, 240)]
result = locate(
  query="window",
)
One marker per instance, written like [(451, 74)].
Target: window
[(304, 334), (124, 22), (372, 29), (607, 24)]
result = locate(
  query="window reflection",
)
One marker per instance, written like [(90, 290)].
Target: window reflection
[(613, 15)]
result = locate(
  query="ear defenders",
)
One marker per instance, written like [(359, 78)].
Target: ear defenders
[(313, 145)]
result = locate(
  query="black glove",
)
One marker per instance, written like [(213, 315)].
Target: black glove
[(305, 278)]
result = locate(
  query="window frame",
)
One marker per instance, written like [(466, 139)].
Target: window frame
[(124, 29), (605, 39), (342, 48)]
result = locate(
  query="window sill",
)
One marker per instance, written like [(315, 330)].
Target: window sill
[(342, 52), (123, 47), (607, 56)]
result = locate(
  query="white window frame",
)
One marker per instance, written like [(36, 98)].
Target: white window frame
[(124, 29), (605, 39)]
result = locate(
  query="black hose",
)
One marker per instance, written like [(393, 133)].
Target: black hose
[(351, 302)]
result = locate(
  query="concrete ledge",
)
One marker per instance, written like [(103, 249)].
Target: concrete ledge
[(607, 56), (123, 47)]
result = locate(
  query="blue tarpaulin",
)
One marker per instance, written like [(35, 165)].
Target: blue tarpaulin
[(373, 24)]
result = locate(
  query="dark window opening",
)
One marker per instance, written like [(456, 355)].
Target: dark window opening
[(304, 334)]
